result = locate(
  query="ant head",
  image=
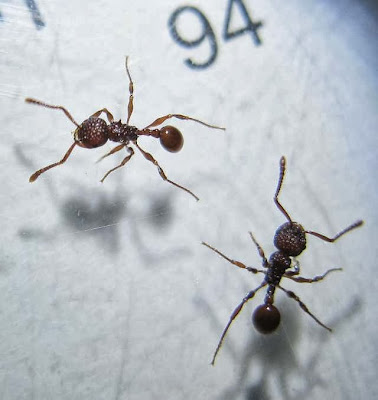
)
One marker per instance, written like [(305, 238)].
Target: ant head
[(171, 138), (93, 132), (290, 238), (266, 318)]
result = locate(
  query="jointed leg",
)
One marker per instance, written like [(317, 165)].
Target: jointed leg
[(124, 161), (160, 120), (131, 91), (234, 262), (295, 270), (42, 170), (109, 115), (279, 185), (233, 316), (343, 232), (112, 151), (317, 278), (43, 104), (260, 250), (303, 306), (149, 157)]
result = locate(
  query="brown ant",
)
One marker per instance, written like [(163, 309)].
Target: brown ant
[(290, 240), (95, 132)]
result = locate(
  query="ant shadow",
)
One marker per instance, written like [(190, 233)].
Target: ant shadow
[(273, 357), (104, 216)]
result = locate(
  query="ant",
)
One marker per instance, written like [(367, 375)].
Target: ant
[(290, 240), (95, 132)]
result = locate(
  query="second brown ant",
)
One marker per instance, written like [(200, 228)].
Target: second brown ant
[(290, 240), (95, 132)]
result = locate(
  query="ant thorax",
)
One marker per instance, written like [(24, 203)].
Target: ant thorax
[(278, 264), (122, 133)]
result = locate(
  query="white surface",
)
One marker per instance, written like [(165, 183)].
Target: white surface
[(106, 292)]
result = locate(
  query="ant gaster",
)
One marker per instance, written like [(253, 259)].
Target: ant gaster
[(95, 132), (290, 240)]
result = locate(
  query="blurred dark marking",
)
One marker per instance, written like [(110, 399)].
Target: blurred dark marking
[(36, 15), (161, 212), (371, 7)]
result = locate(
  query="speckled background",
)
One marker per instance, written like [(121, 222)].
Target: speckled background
[(106, 291)]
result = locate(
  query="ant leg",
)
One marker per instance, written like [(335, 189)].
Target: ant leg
[(279, 185), (160, 120), (343, 232), (41, 103), (296, 268), (233, 316), (109, 115), (124, 161), (260, 250), (117, 148), (303, 306), (318, 278), (234, 262), (42, 170), (131, 94), (149, 157)]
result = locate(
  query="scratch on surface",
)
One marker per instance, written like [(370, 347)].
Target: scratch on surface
[(4, 91), (124, 344), (118, 223)]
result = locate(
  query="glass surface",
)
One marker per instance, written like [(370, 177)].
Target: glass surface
[(106, 290)]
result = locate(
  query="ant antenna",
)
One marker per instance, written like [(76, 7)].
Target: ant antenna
[(343, 232), (279, 185), (130, 107)]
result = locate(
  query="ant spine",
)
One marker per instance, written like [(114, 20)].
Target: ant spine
[(95, 132), (290, 240)]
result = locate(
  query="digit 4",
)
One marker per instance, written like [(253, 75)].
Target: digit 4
[(250, 25)]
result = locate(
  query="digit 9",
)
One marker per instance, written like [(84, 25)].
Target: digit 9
[(206, 33)]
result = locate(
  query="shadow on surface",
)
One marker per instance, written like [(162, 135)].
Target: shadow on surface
[(273, 358), (103, 216)]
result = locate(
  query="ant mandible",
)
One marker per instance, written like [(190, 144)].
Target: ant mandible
[(290, 240), (95, 132)]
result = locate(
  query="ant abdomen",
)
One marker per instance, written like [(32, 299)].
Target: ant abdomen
[(266, 318), (290, 238), (93, 132), (171, 138)]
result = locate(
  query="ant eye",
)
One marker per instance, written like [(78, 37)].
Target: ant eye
[(266, 318), (171, 138)]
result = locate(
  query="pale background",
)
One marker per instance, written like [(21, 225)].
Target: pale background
[(106, 291)]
